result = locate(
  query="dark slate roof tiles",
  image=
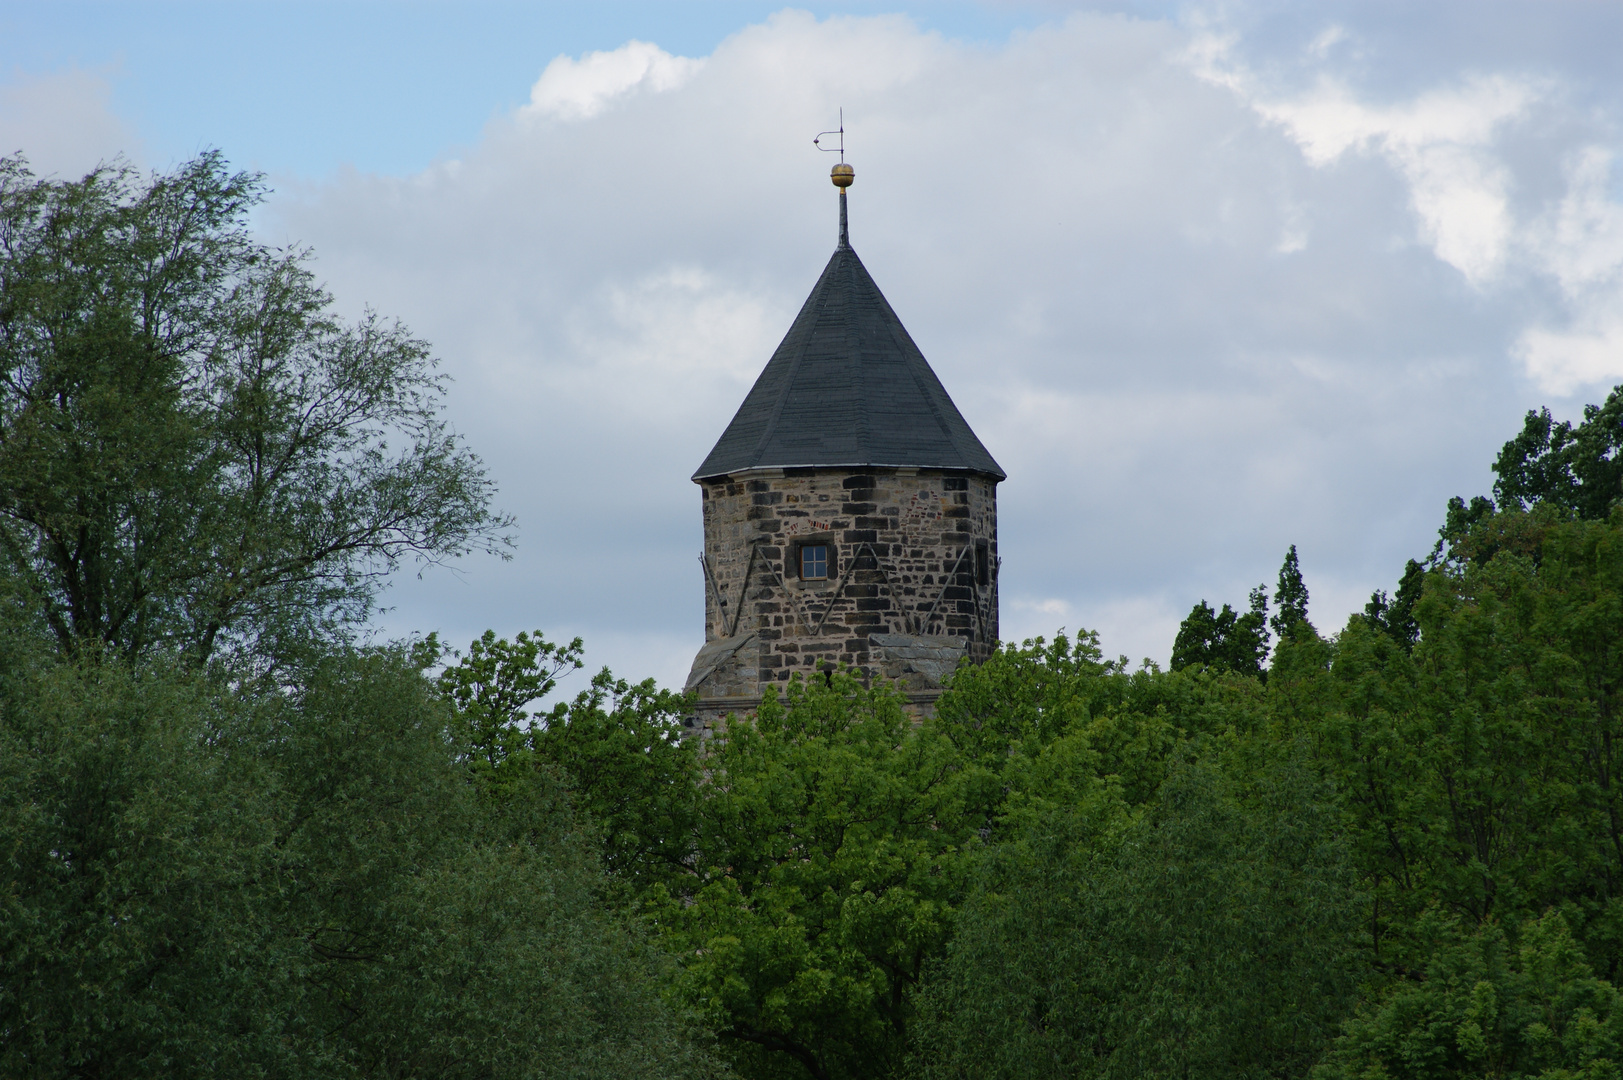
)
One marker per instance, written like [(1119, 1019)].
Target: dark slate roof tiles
[(847, 387)]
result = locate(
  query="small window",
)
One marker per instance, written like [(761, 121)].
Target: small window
[(983, 563), (813, 562)]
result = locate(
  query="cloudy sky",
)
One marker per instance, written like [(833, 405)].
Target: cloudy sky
[(1207, 279)]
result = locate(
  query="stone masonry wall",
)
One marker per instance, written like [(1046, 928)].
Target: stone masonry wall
[(903, 546)]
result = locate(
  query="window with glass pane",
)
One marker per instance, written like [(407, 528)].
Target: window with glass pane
[(814, 561)]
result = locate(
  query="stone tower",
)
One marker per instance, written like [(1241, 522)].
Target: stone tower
[(850, 514)]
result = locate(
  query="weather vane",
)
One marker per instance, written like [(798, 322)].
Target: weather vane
[(840, 131), (842, 174)]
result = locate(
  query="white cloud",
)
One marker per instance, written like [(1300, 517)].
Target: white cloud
[(1441, 141), (1579, 243), (571, 89), (1449, 145), (63, 122), (1562, 361), (1327, 39), (1052, 606)]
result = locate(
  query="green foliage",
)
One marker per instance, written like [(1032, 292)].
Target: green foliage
[(1205, 937), (1130, 886), (617, 747), (1486, 1007), (1459, 523), (1481, 773), (1291, 596), (1395, 617), (198, 881), (1043, 723), (1225, 640), (836, 838), (1577, 469), (831, 841), (196, 455), (629, 771), (491, 687), (1091, 941)]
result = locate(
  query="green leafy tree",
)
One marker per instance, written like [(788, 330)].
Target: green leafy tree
[(617, 746), (1203, 938), (1578, 469), (1488, 1007), (831, 836), (1477, 779), (196, 454), (1455, 540), (201, 881), (620, 748), (1482, 772), (1291, 596), (1225, 640), (493, 685), (1395, 616), (1080, 951), (1042, 722)]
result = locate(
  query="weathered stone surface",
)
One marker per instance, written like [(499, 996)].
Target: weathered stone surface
[(919, 663), (713, 657), (903, 600)]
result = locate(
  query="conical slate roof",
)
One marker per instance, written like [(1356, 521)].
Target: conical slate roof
[(847, 387)]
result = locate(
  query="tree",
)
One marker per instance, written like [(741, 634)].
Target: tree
[(630, 772), (1488, 1007), (1578, 469), (1396, 616), (1226, 640), (1042, 725), (830, 839), (1491, 762), (497, 680), (617, 747), (195, 453), (1291, 596), (303, 882), (1204, 937), (1085, 945)]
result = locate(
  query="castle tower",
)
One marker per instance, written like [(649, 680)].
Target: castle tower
[(850, 514)]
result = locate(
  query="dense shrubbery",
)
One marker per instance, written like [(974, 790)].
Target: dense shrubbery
[(232, 842)]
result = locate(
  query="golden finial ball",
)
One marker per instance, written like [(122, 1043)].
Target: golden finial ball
[(842, 175)]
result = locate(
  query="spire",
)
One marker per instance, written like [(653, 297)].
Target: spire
[(847, 387), (842, 176)]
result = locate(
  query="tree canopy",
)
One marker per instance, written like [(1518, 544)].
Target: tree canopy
[(1578, 469), (196, 454), (1225, 640), (204, 882)]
